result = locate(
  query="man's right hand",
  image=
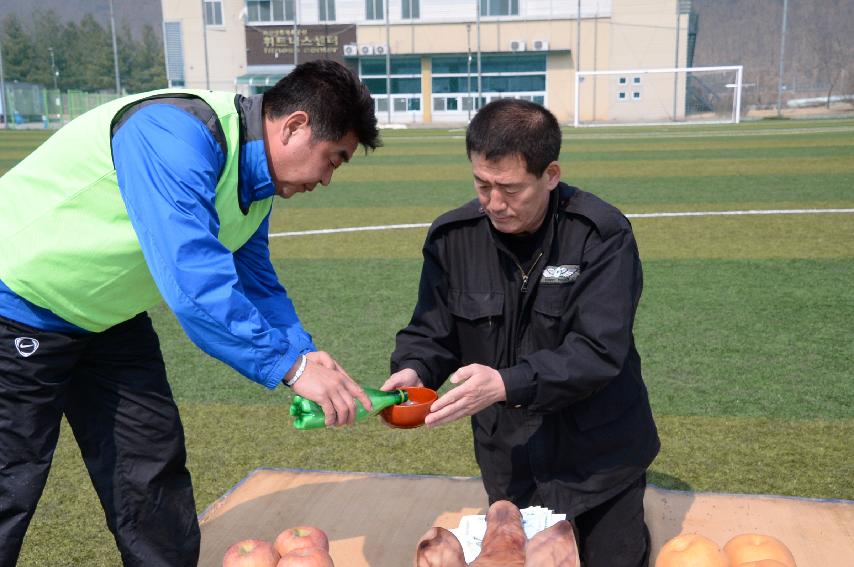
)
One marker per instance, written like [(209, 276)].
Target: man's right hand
[(400, 379), (332, 389)]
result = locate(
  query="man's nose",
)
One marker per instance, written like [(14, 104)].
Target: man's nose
[(495, 202), (327, 178)]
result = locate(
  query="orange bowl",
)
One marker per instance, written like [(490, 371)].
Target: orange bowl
[(412, 412)]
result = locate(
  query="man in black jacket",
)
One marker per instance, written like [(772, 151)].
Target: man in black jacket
[(527, 299)]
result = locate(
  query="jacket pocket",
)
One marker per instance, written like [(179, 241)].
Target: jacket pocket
[(550, 316), (479, 324), (552, 300), (474, 305), (485, 422)]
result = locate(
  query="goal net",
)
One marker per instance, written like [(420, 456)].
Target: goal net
[(658, 96)]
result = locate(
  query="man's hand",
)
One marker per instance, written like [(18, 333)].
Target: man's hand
[(480, 387), (324, 382), (402, 379)]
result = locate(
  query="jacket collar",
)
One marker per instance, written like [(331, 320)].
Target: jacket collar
[(254, 180), (565, 193)]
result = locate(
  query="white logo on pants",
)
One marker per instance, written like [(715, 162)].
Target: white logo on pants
[(26, 346)]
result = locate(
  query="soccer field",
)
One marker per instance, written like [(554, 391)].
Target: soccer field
[(746, 325)]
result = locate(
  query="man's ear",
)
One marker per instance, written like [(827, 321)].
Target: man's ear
[(295, 123), (552, 174)]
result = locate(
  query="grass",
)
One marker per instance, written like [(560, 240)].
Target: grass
[(744, 327)]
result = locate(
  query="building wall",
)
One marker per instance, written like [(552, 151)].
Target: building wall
[(642, 35), (614, 34), (226, 44)]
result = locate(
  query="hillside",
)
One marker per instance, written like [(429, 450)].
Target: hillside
[(819, 52), (135, 13)]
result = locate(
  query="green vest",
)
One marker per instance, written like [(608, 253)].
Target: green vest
[(66, 242)]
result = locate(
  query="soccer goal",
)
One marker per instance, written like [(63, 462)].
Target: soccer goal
[(686, 95)]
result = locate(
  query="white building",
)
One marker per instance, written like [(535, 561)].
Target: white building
[(525, 49)]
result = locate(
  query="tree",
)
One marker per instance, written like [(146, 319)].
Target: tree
[(46, 34), (90, 55), (17, 50), (830, 40), (83, 54), (149, 65)]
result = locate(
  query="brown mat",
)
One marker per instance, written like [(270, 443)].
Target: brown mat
[(375, 520)]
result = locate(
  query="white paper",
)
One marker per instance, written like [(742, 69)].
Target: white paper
[(472, 528)]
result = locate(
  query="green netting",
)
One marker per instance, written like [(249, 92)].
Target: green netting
[(32, 105)]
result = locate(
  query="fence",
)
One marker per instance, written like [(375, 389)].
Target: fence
[(33, 106)]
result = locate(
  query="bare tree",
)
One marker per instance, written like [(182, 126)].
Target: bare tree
[(831, 44)]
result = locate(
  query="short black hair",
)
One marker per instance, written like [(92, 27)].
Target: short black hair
[(507, 126), (332, 96)]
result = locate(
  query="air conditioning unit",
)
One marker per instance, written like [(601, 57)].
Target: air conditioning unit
[(517, 45), (351, 50), (540, 45), (367, 49), (381, 49)]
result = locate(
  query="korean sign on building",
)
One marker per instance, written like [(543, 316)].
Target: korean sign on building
[(274, 45)]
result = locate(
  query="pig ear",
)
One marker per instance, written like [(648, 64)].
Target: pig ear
[(505, 538), (439, 548), (553, 547)]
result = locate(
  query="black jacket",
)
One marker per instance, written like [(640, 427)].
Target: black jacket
[(577, 426)]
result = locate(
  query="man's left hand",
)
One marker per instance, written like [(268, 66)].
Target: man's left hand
[(325, 360), (479, 387)]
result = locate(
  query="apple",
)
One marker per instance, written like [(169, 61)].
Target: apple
[(691, 550), (250, 553), (306, 557), (754, 547), (299, 537)]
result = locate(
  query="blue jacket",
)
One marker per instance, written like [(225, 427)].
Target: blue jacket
[(240, 313)]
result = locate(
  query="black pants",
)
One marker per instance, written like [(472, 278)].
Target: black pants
[(112, 388), (614, 533)]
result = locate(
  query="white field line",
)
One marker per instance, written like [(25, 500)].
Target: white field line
[(349, 229), (629, 215), (669, 132)]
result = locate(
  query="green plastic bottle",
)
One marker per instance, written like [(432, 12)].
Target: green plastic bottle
[(309, 415)]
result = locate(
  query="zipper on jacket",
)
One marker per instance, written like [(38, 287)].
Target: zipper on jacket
[(525, 274)]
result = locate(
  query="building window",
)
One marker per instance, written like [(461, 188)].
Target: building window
[(374, 10), (519, 76), (326, 10), (405, 79), (621, 95), (213, 12), (635, 95), (174, 52), (375, 66), (264, 11), (621, 81), (411, 9), (499, 7), (636, 80), (405, 74)]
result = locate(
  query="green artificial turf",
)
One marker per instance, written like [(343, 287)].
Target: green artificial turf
[(744, 326)]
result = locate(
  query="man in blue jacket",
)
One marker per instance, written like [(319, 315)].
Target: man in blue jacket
[(158, 196)]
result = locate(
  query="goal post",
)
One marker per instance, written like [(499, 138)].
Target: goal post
[(680, 95)]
